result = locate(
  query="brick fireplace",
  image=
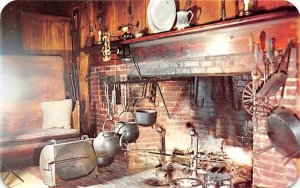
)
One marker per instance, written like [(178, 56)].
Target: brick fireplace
[(218, 112)]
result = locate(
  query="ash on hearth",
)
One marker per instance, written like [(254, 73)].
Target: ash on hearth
[(155, 182)]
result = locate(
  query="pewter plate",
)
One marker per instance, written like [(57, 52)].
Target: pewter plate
[(161, 15)]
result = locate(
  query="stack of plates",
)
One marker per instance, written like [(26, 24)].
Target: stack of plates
[(161, 15)]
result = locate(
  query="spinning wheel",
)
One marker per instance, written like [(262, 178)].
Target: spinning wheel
[(254, 105)]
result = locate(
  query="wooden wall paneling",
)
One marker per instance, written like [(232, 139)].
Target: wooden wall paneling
[(196, 9), (117, 11), (97, 11), (211, 11), (110, 15), (86, 18), (123, 11), (121, 16), (84, 91), (94, 20), (84, 24), (45, 33), (49, 35), (12, 42), (138, 13), (183, 5), (232, 9), (269, 5), (116, 14)]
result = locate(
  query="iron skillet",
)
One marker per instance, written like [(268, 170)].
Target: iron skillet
[(284, 132)]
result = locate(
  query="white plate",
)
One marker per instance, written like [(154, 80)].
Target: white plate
[(161, 15)]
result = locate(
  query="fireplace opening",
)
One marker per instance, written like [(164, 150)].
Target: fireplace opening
[(208, 130)]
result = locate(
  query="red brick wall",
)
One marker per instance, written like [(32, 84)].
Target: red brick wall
[(268, 167), (217, 115), (97, 77)]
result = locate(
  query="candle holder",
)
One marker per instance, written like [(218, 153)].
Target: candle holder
[(99, 37), (246, 11), (106, 47), (223, 10)]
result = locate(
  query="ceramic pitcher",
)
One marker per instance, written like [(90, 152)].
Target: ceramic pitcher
[(183, 20)]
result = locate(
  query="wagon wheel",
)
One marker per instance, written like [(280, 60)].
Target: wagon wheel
[(261, 106)]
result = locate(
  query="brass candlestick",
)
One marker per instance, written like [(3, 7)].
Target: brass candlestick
[(106, 48), (223, 10), (246, 11)]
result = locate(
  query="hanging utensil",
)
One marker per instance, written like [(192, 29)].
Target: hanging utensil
[(253, 104), (284, 131), (194, 93), (212, 97), (118, 94), (144, 117), (126, 98), (231, 91), (271, 55), (130, 128), (136, 65), (106, 145), (152, 96), (113, 98), (196, 83), (163, 99), (109, 111), (262, 40), (144, 92), (278, 78)]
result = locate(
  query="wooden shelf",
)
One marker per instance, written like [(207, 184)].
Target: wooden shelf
[(258, 17), (235, 22)]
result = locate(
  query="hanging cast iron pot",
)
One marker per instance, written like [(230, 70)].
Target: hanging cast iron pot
[(129, 129), (107, 144), (105, 161), (145, 117)]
